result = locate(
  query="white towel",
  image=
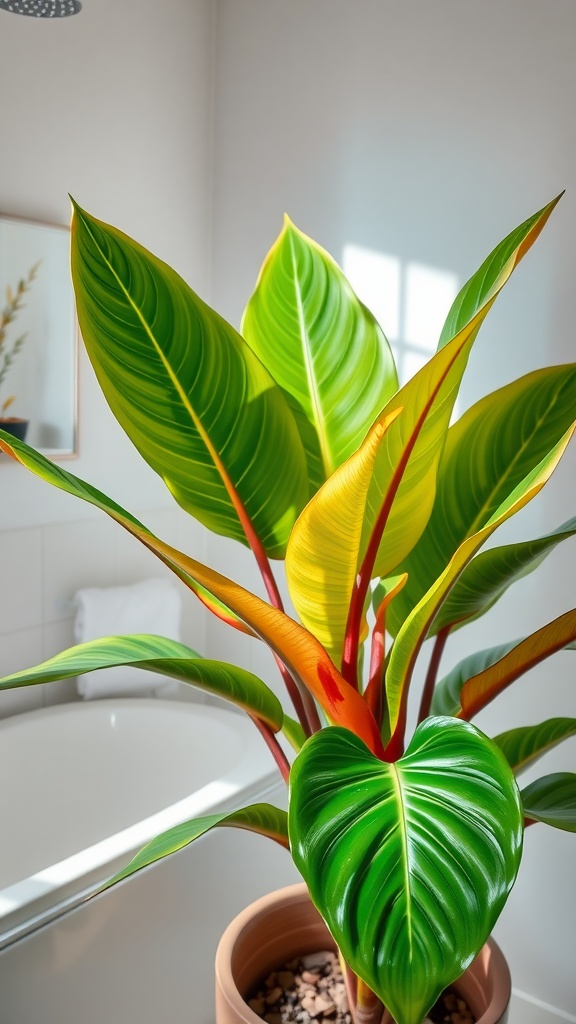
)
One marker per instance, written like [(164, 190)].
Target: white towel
[(152, 606)]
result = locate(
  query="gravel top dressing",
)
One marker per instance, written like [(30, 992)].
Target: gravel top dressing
[(311, 990)]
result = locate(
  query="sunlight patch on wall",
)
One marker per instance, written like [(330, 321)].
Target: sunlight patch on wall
[(409, 300)]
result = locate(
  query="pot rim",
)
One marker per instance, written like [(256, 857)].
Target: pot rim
[(489, 956)]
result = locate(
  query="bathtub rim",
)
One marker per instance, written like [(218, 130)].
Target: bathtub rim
[(57, 889)]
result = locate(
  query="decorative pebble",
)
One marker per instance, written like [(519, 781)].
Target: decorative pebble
[(273, 995), (310, 977), (311, 990), (309, 1005), (324, 1005)]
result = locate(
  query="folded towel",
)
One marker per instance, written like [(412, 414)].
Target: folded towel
[(152, 606)]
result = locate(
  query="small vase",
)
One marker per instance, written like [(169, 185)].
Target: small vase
[(285, 925)]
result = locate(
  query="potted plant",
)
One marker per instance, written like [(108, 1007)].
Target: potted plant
[(294, 439), (13, 424)]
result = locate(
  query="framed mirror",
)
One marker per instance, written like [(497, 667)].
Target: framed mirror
[(38, 336)]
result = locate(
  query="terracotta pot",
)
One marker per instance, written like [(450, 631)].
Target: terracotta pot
[(285, 924)]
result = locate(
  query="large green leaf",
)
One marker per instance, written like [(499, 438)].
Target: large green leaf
[(501, 260), (305, 658), (188, 391), (409, 863), (325, 550), (486, 578), (488, 452), (413, 632), (387, 486), (264, 819), (168, 658), (524, 746), (552, 800), (322, 346), (373, 509)]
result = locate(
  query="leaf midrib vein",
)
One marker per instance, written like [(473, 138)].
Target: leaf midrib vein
[(479, 519), (173, 377), (318, 418), (403, 829)]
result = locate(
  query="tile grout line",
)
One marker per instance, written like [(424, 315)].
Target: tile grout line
[(554, 1011)]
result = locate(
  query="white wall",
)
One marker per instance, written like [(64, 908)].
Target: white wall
[(112, 106), (427, 131), (423, 130)]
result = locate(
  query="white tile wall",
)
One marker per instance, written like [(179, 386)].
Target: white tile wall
[(41, 568), (18, 648), (74, 553), (21, 587)]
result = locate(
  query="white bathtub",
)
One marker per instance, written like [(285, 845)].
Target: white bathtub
[(85, 785)]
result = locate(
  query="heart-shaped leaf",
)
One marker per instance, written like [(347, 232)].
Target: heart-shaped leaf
[(409, 863), (552, 799)]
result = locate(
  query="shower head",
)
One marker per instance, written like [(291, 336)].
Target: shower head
[(42, 8)]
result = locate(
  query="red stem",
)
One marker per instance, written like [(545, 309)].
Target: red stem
[(274, 747), (430, 681), (352, 635), (350, 981), (377, 1015), (395, 748), (363, 579), (373, 692), (302, 700), (313, 718), (369, 1008)]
